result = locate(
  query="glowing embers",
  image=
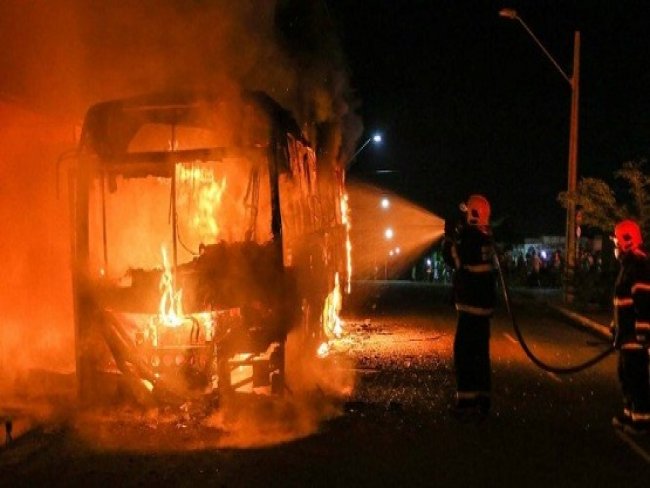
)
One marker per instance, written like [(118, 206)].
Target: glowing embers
[(170, 310), (345, 219), (150, 332), (198, 185)]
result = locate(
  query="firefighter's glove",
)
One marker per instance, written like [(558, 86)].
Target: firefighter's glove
[(453, 228)]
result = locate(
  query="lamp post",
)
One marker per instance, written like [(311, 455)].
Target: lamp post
[(574, 83), (376, 138)]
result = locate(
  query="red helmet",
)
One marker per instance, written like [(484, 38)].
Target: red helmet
[(478, 210), (627, 235)]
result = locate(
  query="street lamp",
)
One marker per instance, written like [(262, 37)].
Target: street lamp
[(574, 83), (376, 138), (388, 233), (385, 203)]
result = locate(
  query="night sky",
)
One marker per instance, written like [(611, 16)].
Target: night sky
[(467, 102)]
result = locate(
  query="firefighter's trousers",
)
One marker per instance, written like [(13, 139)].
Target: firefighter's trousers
[(472, 360), (635, 382)]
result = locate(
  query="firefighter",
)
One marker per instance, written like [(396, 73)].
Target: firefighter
[(469, 250), (631, 327)]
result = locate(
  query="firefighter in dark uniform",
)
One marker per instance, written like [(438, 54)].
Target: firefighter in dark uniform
[(631, 327), (469, 250)]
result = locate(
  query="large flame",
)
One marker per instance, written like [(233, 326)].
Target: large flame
[(332, 323), (171, 302), (209, 193), (345, 219)]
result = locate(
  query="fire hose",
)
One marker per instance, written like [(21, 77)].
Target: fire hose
[(538, 362)]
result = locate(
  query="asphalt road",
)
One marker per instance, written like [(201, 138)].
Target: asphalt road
[(393, 428)]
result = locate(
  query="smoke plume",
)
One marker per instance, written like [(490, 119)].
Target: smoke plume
[(60, 57)]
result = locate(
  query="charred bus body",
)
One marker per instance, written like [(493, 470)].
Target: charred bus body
[(204, 230)]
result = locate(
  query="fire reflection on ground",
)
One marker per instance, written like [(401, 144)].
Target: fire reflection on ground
[(357, 370), (382, 361), (244, 422), (317, 389)]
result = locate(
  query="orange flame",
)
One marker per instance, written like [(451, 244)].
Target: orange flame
[(345, 219), (323, 350), (171, 305), (332, 323), (210, 193)]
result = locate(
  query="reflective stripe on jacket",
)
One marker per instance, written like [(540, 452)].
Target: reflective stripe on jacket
[(632, 299), (474, 281)]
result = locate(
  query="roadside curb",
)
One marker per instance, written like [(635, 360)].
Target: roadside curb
[(581, 320)]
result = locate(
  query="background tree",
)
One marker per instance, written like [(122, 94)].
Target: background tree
[(600, 207)]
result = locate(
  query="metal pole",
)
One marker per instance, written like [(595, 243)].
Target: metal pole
[(359, 150), (571, 240), (544, 50)]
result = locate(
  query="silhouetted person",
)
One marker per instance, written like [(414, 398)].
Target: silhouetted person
[(632, 327), (470, 251), (9, 427)]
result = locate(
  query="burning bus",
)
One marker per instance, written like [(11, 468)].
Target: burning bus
[(204, 230)]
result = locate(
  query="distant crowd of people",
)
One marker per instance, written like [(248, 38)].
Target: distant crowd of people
[(534, 267)]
